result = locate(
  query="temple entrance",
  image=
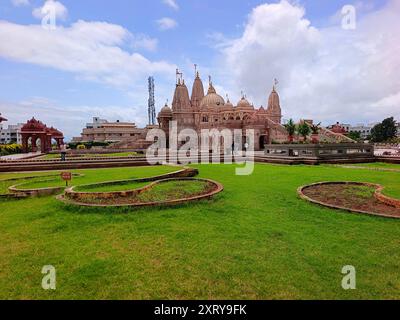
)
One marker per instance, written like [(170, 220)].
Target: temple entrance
[(36, 136), (263, 141)]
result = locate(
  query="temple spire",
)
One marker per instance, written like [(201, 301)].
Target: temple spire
[(197, 90)]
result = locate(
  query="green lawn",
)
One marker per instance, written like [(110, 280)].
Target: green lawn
[(378, 165), (256, 239), (93, 176)]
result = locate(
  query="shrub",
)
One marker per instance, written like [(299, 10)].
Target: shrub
[(7, 149), (304, 130)]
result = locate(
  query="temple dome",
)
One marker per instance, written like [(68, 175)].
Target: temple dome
[(165, 111), (228, 106), (243, 104), (212, 98)]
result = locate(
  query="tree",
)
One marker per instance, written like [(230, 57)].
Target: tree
[(304, 130), (315, 129), (355, 135), (291, 129), (384, 131)]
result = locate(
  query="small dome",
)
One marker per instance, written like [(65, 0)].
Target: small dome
[(165, 111), (228, 106), (244, 104), (212, 98)]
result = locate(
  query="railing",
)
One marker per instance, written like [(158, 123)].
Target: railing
[(320, 151)]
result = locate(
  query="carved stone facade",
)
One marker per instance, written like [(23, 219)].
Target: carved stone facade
[(211, 111)]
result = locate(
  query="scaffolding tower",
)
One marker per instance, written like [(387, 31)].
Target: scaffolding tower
[(152, 103)]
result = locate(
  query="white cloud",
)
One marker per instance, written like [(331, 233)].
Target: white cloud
[(19, 3), (91, 50), (166, 24), (172, 4), (327, 74), (143, 41), (50, 7)]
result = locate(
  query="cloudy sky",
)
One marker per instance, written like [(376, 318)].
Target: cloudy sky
[(96, 60)]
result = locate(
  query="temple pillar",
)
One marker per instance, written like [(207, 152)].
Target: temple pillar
[(25, 144), (34, 146)]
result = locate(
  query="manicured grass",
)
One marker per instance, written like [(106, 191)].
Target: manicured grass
[(169, 190), (172, 190), (92, 176), (256, 239), (376, 166), (9, 180), (111, 188), (382, 165), (379, 165)]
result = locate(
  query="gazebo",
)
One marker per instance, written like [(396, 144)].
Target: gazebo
[(37, 130)]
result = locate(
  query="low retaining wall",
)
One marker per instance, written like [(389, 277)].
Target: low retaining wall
[(70, 193), (38, 192), (385, 199)]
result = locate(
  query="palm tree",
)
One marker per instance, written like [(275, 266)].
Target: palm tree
[(291, 129), (315, 129), (304, 130)]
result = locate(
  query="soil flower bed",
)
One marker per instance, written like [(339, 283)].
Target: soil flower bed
[(352, 196)]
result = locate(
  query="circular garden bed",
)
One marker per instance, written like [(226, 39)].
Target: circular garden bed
[(352, 196), (171, 191)]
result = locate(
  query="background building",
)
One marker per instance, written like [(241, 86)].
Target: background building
[(364, 130), (101, 130), (11, 133)]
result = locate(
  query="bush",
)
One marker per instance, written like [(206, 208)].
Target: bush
[(88, 144), (81, 147), (7, 149)]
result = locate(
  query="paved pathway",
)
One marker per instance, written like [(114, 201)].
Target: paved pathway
[(365, 168), (19, 156)]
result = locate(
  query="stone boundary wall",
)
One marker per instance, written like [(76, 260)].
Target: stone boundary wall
[(377, 194)]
